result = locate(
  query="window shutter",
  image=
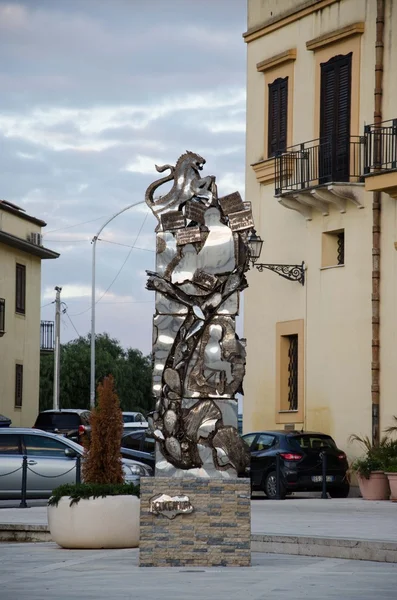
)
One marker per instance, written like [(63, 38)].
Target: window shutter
[(335, 118), (278, 111), (18, 385), (20, 288)]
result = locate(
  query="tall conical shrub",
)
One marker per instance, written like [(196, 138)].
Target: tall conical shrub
[(103, 460)]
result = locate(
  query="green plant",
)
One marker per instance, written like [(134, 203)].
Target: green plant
[(103, 460), (366, 442), (366, 465), (391, 468), (392, 428), (77, 492)]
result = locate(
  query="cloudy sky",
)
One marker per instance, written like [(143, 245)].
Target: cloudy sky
[(93, 94)]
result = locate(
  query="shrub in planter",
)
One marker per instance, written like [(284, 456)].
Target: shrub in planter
[(102, 512), (369, 469), (391, 473)]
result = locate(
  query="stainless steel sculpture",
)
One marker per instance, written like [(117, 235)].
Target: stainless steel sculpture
[(198, 360)]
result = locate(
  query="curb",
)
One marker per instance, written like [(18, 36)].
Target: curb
[(13, 532), (326, 547)]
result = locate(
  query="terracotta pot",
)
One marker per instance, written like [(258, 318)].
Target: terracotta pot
[(374, 488), (392, 477), (109, 522)]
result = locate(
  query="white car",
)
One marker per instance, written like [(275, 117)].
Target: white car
[(51, 461)]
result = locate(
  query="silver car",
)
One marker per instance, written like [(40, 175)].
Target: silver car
[(51, 461)]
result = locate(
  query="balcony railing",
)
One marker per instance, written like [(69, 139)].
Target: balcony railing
[(47, 336), (381, 147), (319, 162)]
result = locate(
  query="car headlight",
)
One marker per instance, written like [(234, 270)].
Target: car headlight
[(136, 470)]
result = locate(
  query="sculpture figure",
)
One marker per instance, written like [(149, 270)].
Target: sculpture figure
[(199, 361)]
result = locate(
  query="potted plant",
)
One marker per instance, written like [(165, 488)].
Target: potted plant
[(103, 511), (369, 469)]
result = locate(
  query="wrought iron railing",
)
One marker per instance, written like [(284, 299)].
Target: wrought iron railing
[(318, 162), (381, 147), (47, 336)]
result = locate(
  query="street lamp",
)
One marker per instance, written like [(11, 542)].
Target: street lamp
[(94, 241), (290, 272)]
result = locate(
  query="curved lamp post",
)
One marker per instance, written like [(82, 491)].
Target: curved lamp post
[(290, 272), (94, 241)]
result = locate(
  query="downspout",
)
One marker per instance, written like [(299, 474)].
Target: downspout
[(376, 225)]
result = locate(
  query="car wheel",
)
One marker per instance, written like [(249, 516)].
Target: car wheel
[(270, 487), (340, 491)]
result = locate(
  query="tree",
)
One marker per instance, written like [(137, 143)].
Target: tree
[(131, 370), (103, 460)]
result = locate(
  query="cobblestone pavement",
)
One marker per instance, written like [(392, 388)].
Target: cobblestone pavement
[(44, 571)]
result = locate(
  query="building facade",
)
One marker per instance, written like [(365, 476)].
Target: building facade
[(321, 174), (21, 253)]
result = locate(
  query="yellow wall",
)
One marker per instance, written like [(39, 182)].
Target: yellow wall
[(335, 303), (21, 342)]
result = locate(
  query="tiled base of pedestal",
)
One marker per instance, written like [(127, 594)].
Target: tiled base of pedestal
[(216, 533)]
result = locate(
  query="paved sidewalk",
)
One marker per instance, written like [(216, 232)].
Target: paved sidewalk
[(44, 571), (351, 518)]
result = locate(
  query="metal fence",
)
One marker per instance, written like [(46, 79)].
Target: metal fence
[(318, 162), (381, 147)]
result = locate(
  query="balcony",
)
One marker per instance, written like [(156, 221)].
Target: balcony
[(380, 168), (47, 336), (316, 174)]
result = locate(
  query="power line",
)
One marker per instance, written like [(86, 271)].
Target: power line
[(126, 245), (119, 271), (65, 312), (48, 304), (76, 224)]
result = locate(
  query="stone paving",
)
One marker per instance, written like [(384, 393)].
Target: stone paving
[(343, 518), (44, 571)]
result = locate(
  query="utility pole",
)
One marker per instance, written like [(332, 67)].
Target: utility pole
[(57, 353)]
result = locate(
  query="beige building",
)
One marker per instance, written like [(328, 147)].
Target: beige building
[(21, 253), (321, 173)]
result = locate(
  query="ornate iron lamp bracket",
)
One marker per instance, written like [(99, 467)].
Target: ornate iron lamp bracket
[(290, 272)]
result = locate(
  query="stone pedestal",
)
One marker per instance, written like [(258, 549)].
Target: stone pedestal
[(216, 531)]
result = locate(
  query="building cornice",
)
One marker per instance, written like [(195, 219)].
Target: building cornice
[(286, 18), (276, 60), (26, 246), (19, 212), (335, 36)]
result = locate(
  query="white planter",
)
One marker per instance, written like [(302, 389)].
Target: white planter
[(110, 522)]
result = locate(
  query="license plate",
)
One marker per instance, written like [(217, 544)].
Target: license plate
[(319, 478)]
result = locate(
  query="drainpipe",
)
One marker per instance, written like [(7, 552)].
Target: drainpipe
[(376, 225)]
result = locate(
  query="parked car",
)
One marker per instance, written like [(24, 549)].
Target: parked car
[(5, 421), (139, 445), (301, 462), (134, 417), (51, 462), (69, 422)]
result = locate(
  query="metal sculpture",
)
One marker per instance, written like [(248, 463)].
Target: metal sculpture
[(198, 360)]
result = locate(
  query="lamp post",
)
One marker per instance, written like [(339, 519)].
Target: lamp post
[(290, 272), (94, 241)]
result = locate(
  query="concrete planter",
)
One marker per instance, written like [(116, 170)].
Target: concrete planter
[(374, 488), (392, 477), (110, 522)]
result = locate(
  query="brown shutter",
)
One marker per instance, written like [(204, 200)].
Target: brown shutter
[(20, 289), (335, 119), (18, 385), (278, 113)]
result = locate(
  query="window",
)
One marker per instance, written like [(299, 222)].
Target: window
[(249, 438), (278, 111), (9, 444), (148, 444), (37, 445), (290, 372), (131, 441), (20, 291), (333, 248), (2, 316), (18, 385), (264, 442), (309, 442), (335, 119)]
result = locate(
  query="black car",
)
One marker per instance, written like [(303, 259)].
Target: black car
[(301, 463), (139, 445), (70, 422)]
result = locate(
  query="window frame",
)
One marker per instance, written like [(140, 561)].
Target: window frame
[(284, 415), (20, 289), (2, 316)]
